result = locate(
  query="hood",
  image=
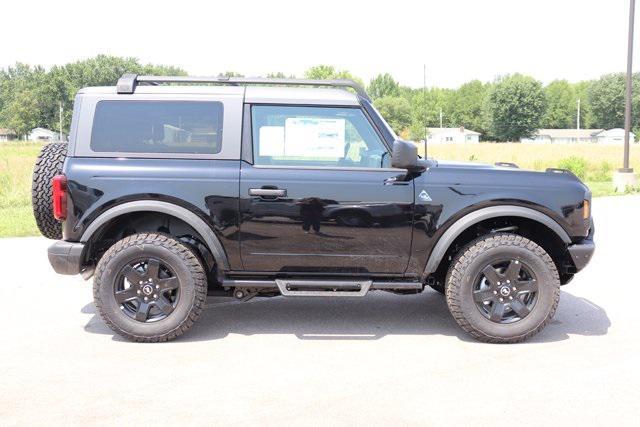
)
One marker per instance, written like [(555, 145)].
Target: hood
[(502, 175), (453, 164)]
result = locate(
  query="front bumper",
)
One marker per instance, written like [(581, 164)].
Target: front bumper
[(581, 253), (66, 257)]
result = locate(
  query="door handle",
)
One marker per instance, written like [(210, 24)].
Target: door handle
[(268, 192)]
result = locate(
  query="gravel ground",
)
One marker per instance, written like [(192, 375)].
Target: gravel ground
[(380, 360)]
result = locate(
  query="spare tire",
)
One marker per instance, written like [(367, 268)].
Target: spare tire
[(48, 165)]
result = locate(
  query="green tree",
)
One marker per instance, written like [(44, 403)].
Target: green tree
[(230, 74), (25, 98), (396, 111), (467, 106), (607, 99), (328, 72), (383, 85), (586, 113), (426, 107), (21, 114), (561, 112), (515, 106)]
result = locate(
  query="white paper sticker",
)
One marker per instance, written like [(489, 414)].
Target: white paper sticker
[(314, 137), (271, 141)]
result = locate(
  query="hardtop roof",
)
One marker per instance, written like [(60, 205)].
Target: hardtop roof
[(252, 94)]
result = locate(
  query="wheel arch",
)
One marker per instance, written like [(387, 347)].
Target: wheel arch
[(209, 237), (488, 213)]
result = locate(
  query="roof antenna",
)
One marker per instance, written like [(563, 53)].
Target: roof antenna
[(424, 98)]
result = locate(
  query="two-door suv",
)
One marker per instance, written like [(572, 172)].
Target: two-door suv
[(166, 193)]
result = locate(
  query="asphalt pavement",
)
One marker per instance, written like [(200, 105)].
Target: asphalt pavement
[(380, 360)]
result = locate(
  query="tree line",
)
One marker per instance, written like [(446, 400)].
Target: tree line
[(506, 109)]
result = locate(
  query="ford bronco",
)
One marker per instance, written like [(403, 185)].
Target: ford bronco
[(167, 193)]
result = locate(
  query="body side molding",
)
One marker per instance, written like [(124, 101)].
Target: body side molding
[(480, 215), (210, 238)]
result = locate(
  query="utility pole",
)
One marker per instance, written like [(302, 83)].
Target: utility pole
[(625, 176), (424, 96), (60, 121), (578, 120), (441, 118)]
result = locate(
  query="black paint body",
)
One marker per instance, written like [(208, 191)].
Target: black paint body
[(339, 222)]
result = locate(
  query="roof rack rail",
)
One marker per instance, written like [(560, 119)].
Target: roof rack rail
[(128, 82), (507, 165), (560, 170)]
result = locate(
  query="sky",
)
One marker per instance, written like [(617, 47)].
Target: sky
[(458, 40)]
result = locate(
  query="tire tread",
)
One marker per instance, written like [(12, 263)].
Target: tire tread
[(466, 256), (48, 164), (189, 258)]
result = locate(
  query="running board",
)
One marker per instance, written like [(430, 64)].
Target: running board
[(323, 288)]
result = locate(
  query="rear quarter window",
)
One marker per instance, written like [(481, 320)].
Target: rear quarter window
[(181, 127)]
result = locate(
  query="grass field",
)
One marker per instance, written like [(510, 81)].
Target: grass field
[(594, 164), (16, 165)]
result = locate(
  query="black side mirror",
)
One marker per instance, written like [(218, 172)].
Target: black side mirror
[(405, 156)]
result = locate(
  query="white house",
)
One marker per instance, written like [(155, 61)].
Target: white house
[(562, 136), (7, 135), (452, 135), (42, 134), (613, 136), (573, 136)]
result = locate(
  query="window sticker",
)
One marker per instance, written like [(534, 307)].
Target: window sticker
[(271, 141), (314, 137)]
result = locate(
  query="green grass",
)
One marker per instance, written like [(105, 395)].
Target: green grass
[(16, 166), (594, 164), (17, 222)]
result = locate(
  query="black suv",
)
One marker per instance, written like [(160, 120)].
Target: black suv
[(260, 187)]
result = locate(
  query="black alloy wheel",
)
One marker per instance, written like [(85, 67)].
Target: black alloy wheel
[(149, 287), (505, 291), (147, 290)]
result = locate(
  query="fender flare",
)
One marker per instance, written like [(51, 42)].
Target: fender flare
[(475, 217), (210, 239)]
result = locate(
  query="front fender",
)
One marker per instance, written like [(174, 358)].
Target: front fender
[(480, 215)]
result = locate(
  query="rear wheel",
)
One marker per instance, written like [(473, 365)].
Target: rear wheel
[(503, 288), (149, 288), (48, 164)]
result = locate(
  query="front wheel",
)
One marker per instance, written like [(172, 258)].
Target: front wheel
[(149, 288), (503, 288)]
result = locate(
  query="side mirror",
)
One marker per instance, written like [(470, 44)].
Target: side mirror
[(405, 156)]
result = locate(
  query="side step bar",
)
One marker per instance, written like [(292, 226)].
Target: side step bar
[(323, 288)]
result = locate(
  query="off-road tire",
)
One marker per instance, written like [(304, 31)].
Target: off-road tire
[(48, 164), (476, 256), (189, 270)]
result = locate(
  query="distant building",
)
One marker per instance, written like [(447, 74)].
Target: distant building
[(574, 136), (7, 135), (44, 135), (613, 136), (452, 135), (562, 136)]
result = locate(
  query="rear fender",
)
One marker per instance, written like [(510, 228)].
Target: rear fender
[(210, 239)]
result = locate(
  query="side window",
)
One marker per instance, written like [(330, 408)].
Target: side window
[(315, 136), (185, 127)]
